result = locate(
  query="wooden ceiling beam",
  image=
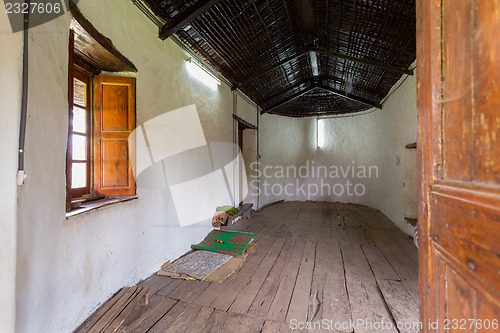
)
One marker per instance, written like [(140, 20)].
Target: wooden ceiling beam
[(185, 17), (279, 95), (268, 69), (373, 63), (288, 99), (352, 98), (323, 87)]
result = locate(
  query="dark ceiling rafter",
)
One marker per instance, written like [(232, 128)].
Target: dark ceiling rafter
[(350, 97), (374, 63), (322, 83), (284, 93), (289, 99), (185, 17), (268, 69), (320, 86), (274, 50), (308, 50)]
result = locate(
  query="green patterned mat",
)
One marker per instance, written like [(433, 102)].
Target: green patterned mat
[(227, 242)]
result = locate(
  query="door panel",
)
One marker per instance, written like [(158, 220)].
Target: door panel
[(115, 106), (459, 157), (115, 164), (114, 121), (456, 91), (486, 53)]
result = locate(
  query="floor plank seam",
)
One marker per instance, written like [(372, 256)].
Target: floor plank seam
[(345, 281), (388, 262), (283, 273), (394, 322), (401, 278), (380, 292), (316, 292), (156, 322)]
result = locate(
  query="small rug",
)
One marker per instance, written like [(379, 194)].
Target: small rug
[(197, 264), (227, 242)]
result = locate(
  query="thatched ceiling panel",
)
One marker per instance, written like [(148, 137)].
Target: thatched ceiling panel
[(245, 38)]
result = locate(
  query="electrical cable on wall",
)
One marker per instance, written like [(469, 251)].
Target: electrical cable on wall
[(24, 103)]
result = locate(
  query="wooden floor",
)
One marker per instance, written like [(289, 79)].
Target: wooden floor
[(345, 267)]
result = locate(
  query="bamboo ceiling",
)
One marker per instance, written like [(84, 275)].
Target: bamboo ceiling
[(300, 57)]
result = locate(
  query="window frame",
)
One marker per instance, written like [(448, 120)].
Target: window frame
[(87, 191), (82, 67)]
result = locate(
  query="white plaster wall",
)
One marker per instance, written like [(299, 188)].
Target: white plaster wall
[(249, 113), (411, 184), (246, 111), (373, 139), (11, 52), (67, 267)]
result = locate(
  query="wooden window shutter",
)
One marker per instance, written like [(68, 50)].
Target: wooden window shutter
[(114, 120)]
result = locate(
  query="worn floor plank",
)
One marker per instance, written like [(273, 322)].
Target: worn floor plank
[(141, 311), (153, 317), (249, 292), (215, 322), (279, 306), (188, 291), (165, 291), (165, 322), (155, 283), (406, 268), (232, 290), (197, 325), (184, 319), (340, 235), (402, 306), (367, 306), (315, 262), (275, 327), (101, 311), (237, 323), (299, 303), (265, 296), (379, 264), (328, 298)]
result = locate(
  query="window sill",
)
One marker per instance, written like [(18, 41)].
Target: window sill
[(96, 204)]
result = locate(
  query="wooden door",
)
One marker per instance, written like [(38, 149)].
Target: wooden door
[(458, 56)]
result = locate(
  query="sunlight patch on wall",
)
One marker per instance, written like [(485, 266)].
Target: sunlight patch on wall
[(197, 71), (320, 132)]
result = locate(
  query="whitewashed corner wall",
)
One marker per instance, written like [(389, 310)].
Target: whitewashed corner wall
[(11, 52), (375, 139), (67, 267)]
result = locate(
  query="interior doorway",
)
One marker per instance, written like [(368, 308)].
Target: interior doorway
[(241, 166), (247, 143)]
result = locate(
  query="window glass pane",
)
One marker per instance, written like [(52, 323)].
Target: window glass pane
[(79, 92), (79, 175), (79, 147), (79, 120)]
